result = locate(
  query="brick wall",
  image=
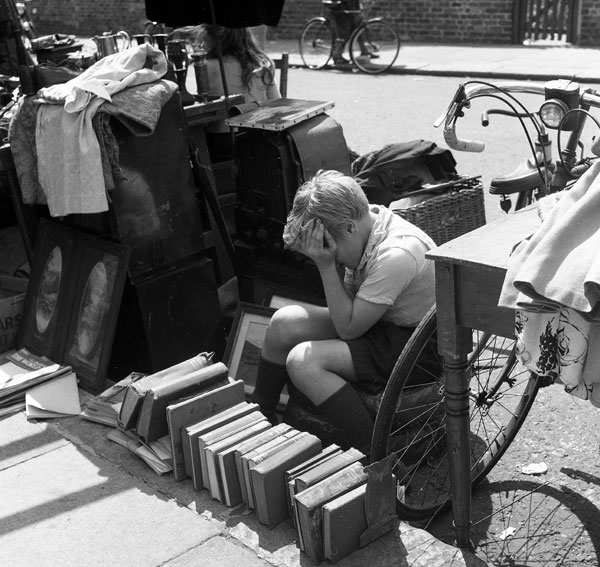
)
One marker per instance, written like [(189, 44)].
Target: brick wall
[(590, 23), (444, 21)]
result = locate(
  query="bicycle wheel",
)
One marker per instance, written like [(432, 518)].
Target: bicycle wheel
[(316, 43), (374, 46), (411, 419)]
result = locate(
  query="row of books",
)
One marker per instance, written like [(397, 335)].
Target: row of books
[(225, 445)]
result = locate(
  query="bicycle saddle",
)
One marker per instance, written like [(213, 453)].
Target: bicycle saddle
[(525, 177)]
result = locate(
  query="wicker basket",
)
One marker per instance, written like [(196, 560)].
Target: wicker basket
[(450, 215)]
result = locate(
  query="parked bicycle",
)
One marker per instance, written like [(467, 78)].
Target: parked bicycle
[(501, 389), (372, 45)]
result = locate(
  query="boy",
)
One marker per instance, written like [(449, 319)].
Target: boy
[(387, 288)]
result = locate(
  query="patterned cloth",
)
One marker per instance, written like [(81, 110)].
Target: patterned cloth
[(553, 282)]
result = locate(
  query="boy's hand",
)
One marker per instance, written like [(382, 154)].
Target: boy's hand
[(318, 244)]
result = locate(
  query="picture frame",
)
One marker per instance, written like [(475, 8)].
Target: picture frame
[(101, 272), (48, 299), (245, 342)]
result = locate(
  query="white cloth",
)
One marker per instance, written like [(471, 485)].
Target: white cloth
[(69, 160), (559, 266)]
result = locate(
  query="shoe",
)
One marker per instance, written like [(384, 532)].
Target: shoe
[(340, 61)]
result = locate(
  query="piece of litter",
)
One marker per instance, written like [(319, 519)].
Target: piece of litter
[(508, 532), (535, 468)]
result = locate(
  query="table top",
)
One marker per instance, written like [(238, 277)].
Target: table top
[(491, 244), (279, 114)]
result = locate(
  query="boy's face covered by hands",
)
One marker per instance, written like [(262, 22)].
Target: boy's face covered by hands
[(317, 243)]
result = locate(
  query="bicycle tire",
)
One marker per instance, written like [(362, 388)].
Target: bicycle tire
[(374, 46), (316, 43), (501, 393)]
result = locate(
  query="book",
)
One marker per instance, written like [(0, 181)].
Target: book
[(136, 391), (268, 477), (260, 454), (232, 489), (327, 468), (250, 445), (21, 370), (152, 419), (209, 424), (189, 434), (221, 463), (105, 407), (219, 433), (195, 409), (309, 505), (132, 441), (58, 397), (344, 520), (290, 475)]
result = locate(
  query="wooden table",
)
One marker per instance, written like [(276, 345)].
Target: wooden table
[(469, 273)]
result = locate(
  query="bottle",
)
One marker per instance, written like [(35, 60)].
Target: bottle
[(201, 74)]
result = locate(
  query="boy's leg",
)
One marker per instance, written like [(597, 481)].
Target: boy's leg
[(323, 371), (288, 326)]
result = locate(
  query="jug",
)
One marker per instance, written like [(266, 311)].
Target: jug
[(107, 43)]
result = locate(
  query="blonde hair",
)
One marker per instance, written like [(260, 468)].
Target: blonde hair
[(331, 197)]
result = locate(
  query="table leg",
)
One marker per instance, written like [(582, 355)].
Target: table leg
[(454, 344), (458, 446)]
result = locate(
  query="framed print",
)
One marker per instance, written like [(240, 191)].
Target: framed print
[(245, 342), (278, 301), (101, 271), (48, 300)]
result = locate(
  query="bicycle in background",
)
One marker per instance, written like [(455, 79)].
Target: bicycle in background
[(373, 45)]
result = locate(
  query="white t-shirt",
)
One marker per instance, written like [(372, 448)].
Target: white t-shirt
[(393, 269)]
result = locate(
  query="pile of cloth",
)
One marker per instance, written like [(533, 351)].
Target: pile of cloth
[(65, 153), (553, 282)]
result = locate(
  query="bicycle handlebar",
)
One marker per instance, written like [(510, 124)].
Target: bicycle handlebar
[(466, 93)]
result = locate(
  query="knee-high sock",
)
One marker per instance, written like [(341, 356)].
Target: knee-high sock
[(270, 380), (346, 410)]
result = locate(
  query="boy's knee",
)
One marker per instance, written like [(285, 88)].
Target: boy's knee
[(282, 326), (299, 365)]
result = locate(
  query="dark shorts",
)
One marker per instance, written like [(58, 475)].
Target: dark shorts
[(375, 353)]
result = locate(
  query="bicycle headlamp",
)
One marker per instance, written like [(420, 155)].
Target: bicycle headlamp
[(552, 112), (561, 96)]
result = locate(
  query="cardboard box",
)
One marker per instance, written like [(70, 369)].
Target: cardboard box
[(12, 300)]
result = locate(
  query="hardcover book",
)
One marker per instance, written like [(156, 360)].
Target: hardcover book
[(193, 410), (260, 454), (250, 445), (327, 468), (309, 505), (135, 393), (192, 432), (290, 475), (344, 519), (268, 477), (221, 462), (152, 420), (105, 407), (204, 440)]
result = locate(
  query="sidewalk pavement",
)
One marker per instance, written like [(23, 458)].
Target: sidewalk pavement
[(540, 62), (72, 497)]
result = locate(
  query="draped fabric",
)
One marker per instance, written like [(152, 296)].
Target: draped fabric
[(229, 13)]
